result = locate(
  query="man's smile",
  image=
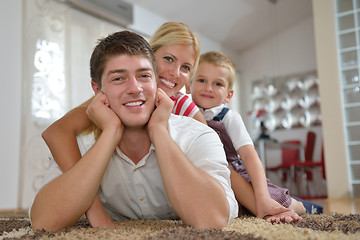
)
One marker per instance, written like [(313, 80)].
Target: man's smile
[(134, 103)]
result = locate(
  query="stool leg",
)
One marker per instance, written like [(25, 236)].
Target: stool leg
[(292, 179)]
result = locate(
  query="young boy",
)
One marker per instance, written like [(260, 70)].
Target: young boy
[(147, 163), (211, 89)]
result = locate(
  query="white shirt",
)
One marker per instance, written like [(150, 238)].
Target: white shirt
[(130, 191), (234, 126)]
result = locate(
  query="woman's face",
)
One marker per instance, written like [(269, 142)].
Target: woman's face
[(174, 63)]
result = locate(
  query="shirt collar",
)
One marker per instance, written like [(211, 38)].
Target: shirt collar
[(142, 162), (210, 113)]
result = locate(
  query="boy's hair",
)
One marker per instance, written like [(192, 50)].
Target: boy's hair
[(222, 60), (176, 33), (124, 42)]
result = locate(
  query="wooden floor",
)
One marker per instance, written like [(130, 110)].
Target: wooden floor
[(345, 206)]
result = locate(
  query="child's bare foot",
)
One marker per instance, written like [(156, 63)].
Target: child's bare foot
[(284, 217)]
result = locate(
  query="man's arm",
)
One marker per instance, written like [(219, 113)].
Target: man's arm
[(197, 198), (64, 200)]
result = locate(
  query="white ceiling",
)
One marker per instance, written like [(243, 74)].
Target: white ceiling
[(236, 24)]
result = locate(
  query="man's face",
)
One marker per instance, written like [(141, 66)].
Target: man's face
[(129, 82)]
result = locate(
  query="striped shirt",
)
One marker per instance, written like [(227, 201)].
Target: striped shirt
[(184, 106)]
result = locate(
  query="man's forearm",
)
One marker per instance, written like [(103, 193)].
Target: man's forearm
[(97, 215), (65, 199), (197, 198)]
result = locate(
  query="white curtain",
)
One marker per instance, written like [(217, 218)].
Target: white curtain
[(57, 44)]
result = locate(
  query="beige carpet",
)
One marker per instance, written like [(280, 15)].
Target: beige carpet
[(15, 225)]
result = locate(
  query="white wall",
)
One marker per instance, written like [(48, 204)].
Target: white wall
[(147, 23), (10, 102), (290, 51)]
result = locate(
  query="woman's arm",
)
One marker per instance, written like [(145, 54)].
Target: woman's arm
[(200, 117), (244, 193), (60, 137), (61, 140)]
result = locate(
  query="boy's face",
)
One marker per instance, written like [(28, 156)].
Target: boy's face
[(174, 63), (210, 86), (129, 82)]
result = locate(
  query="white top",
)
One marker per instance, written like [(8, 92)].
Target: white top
[(130, 191), (234, 126)]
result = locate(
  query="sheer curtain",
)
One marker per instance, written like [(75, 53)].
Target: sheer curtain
[(57, 44)]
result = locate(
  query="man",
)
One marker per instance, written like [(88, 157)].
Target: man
[(147, 163)]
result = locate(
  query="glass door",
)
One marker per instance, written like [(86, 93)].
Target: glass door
[(348, 36)]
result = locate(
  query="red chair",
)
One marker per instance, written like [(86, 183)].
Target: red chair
[(288, 154), (309, 153), (306, 167)]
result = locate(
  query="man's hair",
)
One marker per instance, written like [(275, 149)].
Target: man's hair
[(176, 33), (124, 42), (222, 60)]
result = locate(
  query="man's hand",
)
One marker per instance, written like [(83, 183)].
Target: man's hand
[(97, 215), (162, 112), (100, 113)]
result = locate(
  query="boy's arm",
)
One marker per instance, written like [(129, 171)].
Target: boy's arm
[(269, 209), (255, 170), (265, 205), (61, 140), (198, 199)]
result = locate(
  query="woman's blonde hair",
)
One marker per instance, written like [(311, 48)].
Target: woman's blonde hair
[(176, 33), (93, 128)]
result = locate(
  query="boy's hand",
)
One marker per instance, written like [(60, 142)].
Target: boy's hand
[(274, 212), (162, 112), (100, 113)]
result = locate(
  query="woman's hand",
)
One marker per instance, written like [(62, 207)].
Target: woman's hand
[(162, 112)]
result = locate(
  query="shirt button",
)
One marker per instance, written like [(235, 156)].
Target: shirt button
[(141, 198)]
